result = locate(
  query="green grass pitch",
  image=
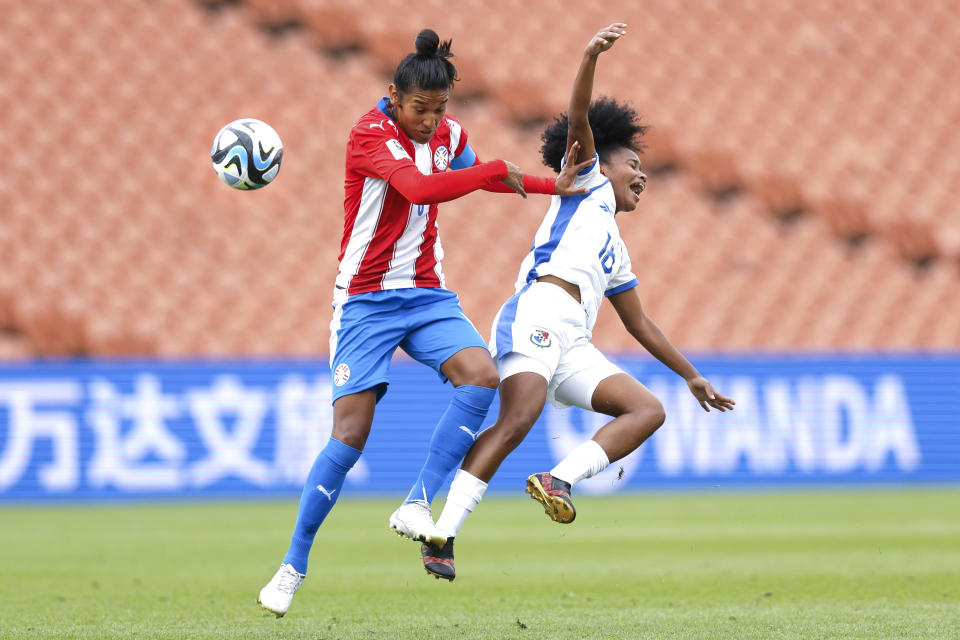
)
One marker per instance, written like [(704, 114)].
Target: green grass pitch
[(828, 564)]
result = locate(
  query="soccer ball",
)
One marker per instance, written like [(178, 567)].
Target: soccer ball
[(247, 154)]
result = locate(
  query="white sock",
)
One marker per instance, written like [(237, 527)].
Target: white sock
[(585, 461), (466, 492)]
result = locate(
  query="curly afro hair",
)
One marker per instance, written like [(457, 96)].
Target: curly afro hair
[(614, 125)]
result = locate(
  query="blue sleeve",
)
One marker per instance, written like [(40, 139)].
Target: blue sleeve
[(465, 160), (626, 286)]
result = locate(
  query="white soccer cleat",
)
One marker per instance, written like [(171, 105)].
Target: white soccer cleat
[(278, 594), (414, 520)]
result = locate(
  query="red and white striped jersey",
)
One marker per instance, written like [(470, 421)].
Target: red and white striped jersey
[(388, 241)]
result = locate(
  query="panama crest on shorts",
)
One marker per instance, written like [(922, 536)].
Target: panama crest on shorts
[(341, 374), (541, 338)]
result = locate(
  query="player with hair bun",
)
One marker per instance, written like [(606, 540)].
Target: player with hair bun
[(403, 158), (541, 335)]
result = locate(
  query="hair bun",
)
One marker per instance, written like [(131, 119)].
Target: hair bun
[(427, 43)]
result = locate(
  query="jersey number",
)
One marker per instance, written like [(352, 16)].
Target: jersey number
[(607, 256)]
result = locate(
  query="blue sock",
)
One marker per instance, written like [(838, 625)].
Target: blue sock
[(453, 437), (319, 495)]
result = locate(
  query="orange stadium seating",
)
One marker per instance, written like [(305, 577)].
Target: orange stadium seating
[(802, 161)]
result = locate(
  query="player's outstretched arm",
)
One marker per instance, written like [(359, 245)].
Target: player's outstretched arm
[(514, 179), (562, 185), (449, 185), (648, 334), (579, 124)]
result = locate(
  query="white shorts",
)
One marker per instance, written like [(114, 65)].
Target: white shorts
[(543, 330)]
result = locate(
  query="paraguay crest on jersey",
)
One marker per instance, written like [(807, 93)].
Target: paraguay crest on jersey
[(441, 158)]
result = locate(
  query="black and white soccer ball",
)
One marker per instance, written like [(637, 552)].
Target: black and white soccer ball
[(247, 154)]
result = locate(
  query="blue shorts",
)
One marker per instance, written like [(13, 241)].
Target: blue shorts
[(368, 327)]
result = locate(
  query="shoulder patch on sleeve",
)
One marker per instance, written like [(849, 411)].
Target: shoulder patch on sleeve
[(399, 153)]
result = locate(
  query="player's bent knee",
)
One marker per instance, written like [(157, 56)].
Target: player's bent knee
[(655, 414), (474, 370), (511, 434), (641, 422), (514, 425), (651, 417), (648, 416), (352, 419), (648, 409), (351, 433), (489, 379), (492, 381)]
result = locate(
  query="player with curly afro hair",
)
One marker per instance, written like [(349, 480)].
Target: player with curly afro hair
[(541, 336), (614, 125)]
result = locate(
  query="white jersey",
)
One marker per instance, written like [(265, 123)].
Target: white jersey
[(578, 241)]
